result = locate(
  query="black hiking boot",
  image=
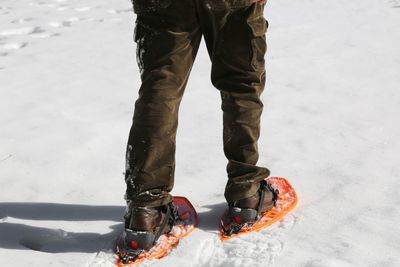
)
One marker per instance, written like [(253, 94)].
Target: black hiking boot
[(143, 227), (247, 211)]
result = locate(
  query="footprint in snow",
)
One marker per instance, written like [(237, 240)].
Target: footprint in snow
[(44, 35), (34, 32), (21, 31), (21, 20), (12, 46), (56, 24)]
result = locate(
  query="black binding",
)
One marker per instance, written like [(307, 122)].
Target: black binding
[(147, 239), (250, 216)]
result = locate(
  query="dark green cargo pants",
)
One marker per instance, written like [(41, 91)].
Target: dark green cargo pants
[(168, 34)]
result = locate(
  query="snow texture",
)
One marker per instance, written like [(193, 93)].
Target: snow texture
[(68, 81)]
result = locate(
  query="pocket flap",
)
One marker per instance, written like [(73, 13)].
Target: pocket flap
[(258, 25)]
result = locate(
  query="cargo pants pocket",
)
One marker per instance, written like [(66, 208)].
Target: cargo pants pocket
[(258, 46)]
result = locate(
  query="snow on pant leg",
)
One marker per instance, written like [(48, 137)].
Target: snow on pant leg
[(236, 41), (167, 36)]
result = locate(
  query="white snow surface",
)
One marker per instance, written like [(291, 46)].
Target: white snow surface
[(68, 82)]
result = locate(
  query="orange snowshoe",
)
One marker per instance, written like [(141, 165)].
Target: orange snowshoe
[(237, 221)]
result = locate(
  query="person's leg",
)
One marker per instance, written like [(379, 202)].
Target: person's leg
[(167, 36), (235, 35)]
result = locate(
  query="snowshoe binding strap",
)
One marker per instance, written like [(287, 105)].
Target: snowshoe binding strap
[(264, 185), (237, 218), (136, 242)]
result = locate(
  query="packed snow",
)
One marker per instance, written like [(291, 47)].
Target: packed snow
[(68, 82)]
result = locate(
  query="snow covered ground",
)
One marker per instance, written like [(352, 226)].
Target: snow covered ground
[(68, 81)]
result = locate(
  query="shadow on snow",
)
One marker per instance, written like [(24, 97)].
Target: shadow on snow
[(23, 236)]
